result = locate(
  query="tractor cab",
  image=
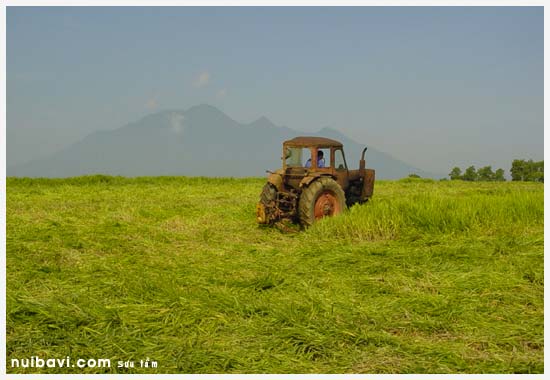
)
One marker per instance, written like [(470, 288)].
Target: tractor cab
[(315, 156)]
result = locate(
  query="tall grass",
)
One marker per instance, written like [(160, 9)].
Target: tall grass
[(435, 212), (427, 277)]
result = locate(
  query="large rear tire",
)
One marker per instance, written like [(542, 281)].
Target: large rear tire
[(322, 198)]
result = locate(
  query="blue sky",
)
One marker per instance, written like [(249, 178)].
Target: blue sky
[(435, 87)]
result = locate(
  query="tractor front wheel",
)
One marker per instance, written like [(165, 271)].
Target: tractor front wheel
[(324, 197), (266, 209)]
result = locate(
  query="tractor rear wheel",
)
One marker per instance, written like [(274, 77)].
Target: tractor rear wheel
[(324, 197)]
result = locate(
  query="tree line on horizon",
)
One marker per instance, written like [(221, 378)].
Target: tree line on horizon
[(522, 170)]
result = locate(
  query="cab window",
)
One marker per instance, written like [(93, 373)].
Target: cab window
[(339, 162), (295, 156)]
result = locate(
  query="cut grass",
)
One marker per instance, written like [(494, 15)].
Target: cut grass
[(428, 277)]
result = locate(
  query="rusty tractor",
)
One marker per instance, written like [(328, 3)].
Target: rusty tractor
[(305, 190)]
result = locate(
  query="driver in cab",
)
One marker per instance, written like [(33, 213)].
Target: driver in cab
[(320, 160)]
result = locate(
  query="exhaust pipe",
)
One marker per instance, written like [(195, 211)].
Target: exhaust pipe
[(368, 178), (362, 161)]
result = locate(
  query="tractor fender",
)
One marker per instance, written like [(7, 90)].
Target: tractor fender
[(276, 179), (312, 177)]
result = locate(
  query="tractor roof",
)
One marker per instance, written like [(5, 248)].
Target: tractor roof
[(312, 141)]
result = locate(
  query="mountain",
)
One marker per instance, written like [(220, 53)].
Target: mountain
[(201, 141)]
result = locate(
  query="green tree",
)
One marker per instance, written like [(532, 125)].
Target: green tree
[(470, 174), (414, 175), (456, 173), (485, 174), (499, 175), (540, 169), (523, 170), (535, 171), (519, 170)]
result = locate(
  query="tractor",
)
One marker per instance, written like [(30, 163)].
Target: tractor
[(314, 182)]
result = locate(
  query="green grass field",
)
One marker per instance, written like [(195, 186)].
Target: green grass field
[(428, 277)]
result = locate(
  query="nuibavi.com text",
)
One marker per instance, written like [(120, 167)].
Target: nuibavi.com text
[(66, 362)]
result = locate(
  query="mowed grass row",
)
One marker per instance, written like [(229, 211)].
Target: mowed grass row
[(428, 277)]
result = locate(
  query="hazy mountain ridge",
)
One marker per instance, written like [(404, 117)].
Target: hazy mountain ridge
[(202, 141)]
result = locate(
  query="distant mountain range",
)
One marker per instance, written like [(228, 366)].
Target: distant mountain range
[(201, 141)]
